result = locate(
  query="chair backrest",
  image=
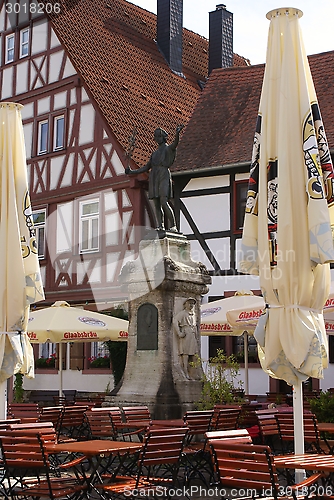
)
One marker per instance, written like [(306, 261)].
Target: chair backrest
[(285, 422), (100, 424), (230, 436), (245, 466), (44, 429), (51, 414), (73, 423), (28, 411), (140, 414), (225, 418), (198, 423), (162, 446)]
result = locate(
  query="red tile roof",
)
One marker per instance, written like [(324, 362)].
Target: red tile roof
[(221, 129), (111, 44)]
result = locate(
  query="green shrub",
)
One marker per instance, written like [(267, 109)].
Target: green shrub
[(18, 390), (323, 406), (220, 381)]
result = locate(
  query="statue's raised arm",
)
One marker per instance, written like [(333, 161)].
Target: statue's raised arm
[(160, 181)]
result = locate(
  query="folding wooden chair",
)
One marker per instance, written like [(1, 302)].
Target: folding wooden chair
[(73, 423), (225, 418), (158, 466), (268, 427), (312, 440), (196, 457), (251, 467), (100, 424), (137, 419), (51, 414), (29, 473)]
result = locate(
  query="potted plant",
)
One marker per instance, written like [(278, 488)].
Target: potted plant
[(49, 362), (99, 362)]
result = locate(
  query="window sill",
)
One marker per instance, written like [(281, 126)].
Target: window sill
[(46, 370), (96, 371)]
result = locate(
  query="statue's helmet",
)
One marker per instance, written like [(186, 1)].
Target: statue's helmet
[(161, 132)]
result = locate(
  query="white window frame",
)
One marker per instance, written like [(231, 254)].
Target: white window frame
[(24, 44), (10, 50), (98, 349), (56, 134), (40, 150), (47, 349), (40, 228), (89, 222)]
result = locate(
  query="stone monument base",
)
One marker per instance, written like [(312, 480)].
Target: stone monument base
[(159, 282)]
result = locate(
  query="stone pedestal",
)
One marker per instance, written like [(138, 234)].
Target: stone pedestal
[(158, 282)]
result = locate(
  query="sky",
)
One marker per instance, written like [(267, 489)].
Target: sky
[(250, 25)]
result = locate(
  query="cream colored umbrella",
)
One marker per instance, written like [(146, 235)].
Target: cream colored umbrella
[(20, 281), (61, 323), (214, 319), (287, 237)]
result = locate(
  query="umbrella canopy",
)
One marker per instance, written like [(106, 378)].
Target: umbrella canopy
[(214, 315), (62, 323), (20, 281), (287, 238), (215, 319)]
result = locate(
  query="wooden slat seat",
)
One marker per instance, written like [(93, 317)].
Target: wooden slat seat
[(51, 414), (137, 418), (268, 426)]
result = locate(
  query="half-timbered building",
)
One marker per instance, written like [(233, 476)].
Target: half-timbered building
[(211, 175), (96, 79)]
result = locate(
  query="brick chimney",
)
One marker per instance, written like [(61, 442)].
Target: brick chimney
[(220, 38), (169, 32)]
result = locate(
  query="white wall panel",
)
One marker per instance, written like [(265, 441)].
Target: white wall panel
[(69, 69), (60, 100), (210, 213), (208, 182), (117, 164), (220, 248), (198, 254), (110, 200), (86, 130), (55, 63), (7, 83), (242, 177), (56, 165), (54, 40), (39, 37), (27, 129), (27, 111), (22, 78), (112, 262), (43, 105), (113, 224), (64, 227)]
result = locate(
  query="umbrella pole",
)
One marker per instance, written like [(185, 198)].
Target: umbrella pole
[(60, 369), (3, 400), (246, 362), (298, 425)]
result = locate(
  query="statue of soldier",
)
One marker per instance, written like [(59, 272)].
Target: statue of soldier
[(160, 181)]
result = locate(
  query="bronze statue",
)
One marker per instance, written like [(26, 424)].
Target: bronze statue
[(160, 181)]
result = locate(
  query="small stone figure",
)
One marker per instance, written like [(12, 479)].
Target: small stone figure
[(185, 327), (160, 181)]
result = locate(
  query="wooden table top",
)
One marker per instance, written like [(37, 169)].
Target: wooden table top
[(94, 447)]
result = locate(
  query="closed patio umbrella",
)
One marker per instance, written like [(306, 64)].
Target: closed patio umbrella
[(20, 281), (61, 323), (287, 238)]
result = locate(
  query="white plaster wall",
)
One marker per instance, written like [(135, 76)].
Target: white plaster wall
[(72, 379)]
